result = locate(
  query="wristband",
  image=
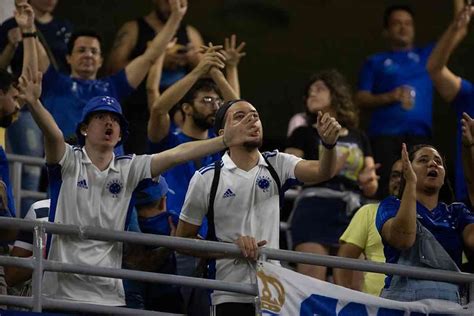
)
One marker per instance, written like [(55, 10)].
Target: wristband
[(328, 146), (29, 34)]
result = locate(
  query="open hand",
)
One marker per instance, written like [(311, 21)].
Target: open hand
[(211, 58), (30, 87), (328, 128), (232, 52), (245, 130), (249, 246), (408, 173)]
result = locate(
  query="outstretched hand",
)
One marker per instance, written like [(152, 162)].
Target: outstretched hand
[(232, 52), (408, 173), (328, 128), (245, 130), (30, 87), (467, 124), (249, 246), (462, 19)]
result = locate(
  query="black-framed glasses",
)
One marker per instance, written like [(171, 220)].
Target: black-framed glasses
[(212, 100)]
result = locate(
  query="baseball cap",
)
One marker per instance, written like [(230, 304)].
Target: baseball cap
[(102, 104), (150, 190)]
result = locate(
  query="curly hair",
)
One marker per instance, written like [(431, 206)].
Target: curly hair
[(341, 97)]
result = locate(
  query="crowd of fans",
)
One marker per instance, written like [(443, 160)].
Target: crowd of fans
[(182, 159)]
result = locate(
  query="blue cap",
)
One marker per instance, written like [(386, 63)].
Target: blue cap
[(150, 190), (102, 104)]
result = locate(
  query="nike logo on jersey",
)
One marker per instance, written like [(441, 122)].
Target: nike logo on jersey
[(228, 193), (82, 184)]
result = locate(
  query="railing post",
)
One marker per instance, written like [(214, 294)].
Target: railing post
[(471, 292), (16, 180), (37, 279)]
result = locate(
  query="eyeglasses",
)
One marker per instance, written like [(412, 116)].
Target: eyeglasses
[(212, 100)]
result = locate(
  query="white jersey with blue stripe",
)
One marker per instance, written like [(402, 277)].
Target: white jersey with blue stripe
[(83, 195), (246, 204)]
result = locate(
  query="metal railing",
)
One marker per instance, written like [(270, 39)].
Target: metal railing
[(16, 167), (38, 264)]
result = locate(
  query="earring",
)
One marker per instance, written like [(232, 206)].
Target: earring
[(84, 134)]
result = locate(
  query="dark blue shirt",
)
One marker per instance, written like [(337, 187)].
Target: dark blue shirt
[(5, 177), (65, 97), (464, 102), (386, 71), (56, 33), (178, 177), (445, 222)]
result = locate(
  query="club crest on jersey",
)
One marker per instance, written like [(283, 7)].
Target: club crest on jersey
[(115, 187), (263, 183)]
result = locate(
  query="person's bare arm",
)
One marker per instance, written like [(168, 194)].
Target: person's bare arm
[(233, 54), (369, 100), (224, 86), (194, 54), (159, 121), (153, 82), (400, 231), (345, 277), (234, 135), (445, 81), (368, 179), (468, 236), (124, 42), (315, 171), (17, 275), (137, 69), (30, 92)]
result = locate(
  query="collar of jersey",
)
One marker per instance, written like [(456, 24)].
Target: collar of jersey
[(229, 164), (86, 160)]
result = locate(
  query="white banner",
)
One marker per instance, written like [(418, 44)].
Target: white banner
[(285, 292)]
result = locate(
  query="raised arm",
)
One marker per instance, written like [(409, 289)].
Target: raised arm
[(30, 92), (159, 121), (234, 135), (368, 179), (137, 69), (400, 231), (315, 171), (233, 54), (369, 100), (124, 42), (153, 81), (445, 81)]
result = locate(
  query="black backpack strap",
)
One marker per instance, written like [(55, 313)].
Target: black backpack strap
[(275, 177), (211, 231)]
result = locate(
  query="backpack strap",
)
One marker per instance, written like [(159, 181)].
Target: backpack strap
[(211, 231), (275, 177)]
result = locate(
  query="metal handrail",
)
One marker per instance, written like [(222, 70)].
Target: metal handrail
[(38, 264)]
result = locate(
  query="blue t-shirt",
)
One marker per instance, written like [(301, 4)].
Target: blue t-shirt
[(56, 33), (386, 71), (179, 176), (65, 97), (464, 102), (5, 177), (445, 222)]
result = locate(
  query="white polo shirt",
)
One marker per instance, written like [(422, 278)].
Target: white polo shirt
[(38, 211), (247, 203), (83, 195)]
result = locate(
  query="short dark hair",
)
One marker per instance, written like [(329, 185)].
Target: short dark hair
[(204, 84), (79, 33), (6, 80), (397, 7)]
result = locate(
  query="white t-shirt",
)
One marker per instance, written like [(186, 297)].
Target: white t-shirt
[(83, 195), (246, 203), (38, 211)]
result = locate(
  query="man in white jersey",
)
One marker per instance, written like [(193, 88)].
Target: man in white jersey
[(246, 204), (91, 187)]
